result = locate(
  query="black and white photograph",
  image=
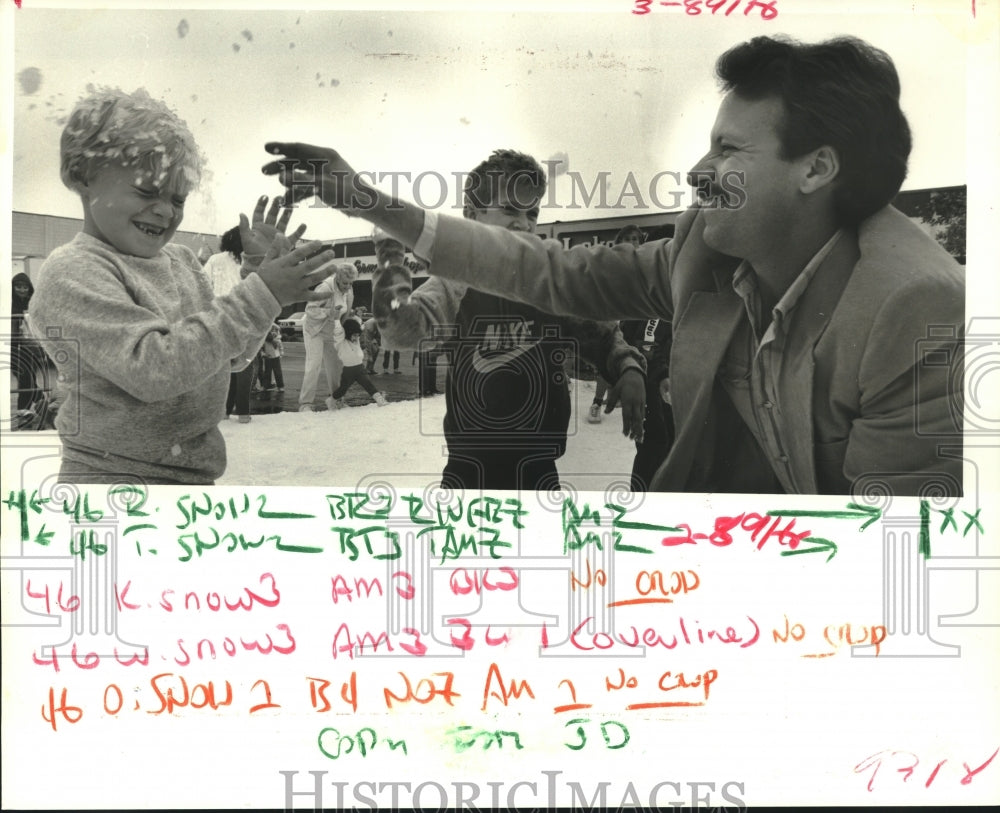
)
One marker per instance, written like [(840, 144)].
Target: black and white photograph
[(483, 405), (797, 351)]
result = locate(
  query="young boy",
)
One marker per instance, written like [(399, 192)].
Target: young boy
[(273, 379), (142, 348), (508, 404), (371, 343)]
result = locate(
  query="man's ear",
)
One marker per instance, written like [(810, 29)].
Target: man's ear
[(821, 168), (469, 213)]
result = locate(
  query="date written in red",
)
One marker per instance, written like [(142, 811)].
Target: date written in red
[(762, 527), (767, 9)]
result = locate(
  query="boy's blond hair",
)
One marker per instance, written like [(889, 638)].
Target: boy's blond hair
[(109, 126)]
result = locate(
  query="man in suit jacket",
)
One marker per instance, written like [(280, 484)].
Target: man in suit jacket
[(817, 331)]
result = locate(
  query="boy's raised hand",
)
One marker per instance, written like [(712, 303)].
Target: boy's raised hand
[(309, 171), (258, 234), (290, 275)]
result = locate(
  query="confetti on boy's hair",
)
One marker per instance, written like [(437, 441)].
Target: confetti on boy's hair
[(110, 126)]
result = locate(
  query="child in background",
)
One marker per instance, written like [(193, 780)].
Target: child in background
[(141, 346), (634, 236), (387, 354), (27, 360), (258, 364), (272, 351), (348, 341), (223, 272), (371, 342)]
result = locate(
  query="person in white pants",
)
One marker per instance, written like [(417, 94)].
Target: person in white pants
[(318, 333)]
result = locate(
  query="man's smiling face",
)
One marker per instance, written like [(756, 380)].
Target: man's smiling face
[(746, 151)]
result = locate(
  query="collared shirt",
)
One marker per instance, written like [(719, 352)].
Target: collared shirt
[(752, 366), (424, 248)]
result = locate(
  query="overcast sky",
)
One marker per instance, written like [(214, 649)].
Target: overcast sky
[(438, 90)]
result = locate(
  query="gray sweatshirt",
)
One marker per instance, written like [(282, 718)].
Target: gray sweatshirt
[(143, 352)]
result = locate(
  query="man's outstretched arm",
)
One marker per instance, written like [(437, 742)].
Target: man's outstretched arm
[(583, 282)]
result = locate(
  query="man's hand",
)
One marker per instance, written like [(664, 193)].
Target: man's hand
[(258, 234), (631, 389), (391, 289), (308, 171), (290, 274)]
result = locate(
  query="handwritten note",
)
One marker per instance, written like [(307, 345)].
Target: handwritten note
[(423, 638)]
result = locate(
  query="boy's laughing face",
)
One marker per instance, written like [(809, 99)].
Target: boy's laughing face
[(125, 207)]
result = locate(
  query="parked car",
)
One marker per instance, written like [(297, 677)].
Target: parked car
[(291, 327)]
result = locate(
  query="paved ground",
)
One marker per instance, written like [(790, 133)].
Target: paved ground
[(397, 387)]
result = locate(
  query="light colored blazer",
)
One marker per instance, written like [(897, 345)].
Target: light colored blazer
[(870, 387)]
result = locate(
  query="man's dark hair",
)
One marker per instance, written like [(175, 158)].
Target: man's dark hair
[(482, 187), (843, 93), (232, 242)]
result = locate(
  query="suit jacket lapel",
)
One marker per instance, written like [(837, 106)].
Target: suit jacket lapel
[(701, 337), (796, 383), (702, 333)]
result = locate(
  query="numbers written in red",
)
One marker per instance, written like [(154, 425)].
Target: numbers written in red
[(903, 764), (767, 9)]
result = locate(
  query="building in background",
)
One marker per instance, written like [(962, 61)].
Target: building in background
[(35, 235)]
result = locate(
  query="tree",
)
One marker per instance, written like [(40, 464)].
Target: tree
[(945, 212)]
